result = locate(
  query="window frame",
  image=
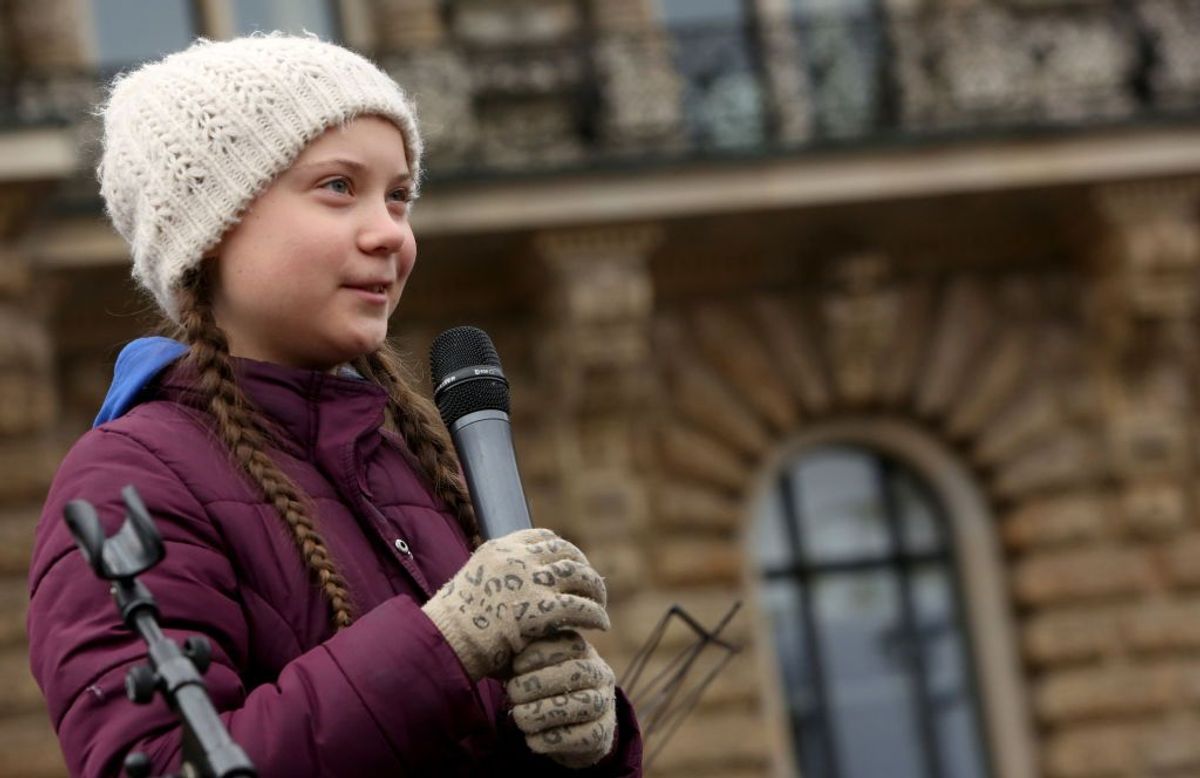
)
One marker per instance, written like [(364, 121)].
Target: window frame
[(1006, 723)]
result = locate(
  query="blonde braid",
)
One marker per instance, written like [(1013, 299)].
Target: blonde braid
[(246, 437), (418, 422)]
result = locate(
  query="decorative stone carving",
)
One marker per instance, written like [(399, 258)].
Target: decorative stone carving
[(1154, 248), (955, 66), (600, 300), (862, 309), (1147, 290)]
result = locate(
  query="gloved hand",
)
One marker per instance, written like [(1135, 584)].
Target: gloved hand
[(512, 591), (564, 699)]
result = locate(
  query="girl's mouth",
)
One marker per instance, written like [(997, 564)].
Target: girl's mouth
[(374, 293)]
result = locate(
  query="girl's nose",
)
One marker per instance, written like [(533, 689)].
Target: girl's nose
[(384, 231)]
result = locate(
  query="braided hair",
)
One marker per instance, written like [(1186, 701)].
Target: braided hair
[(242, 429)]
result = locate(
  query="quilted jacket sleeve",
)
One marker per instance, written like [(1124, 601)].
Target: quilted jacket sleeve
[(374, 699)]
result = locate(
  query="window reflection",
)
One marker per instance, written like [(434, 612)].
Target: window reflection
[(866, 620), (840, 518), (843, 42), (132, 31), (713, 50)]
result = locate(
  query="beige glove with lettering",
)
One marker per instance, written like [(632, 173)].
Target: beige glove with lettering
[(564, 699), (512, 591)]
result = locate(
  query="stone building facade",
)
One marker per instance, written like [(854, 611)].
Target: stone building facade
[(983, 267)]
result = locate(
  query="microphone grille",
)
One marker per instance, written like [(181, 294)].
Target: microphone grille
[(454, 350)]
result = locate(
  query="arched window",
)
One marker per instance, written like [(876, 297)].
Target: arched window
[(865, 583)]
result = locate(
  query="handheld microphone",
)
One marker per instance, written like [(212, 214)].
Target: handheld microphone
[(471, 393)]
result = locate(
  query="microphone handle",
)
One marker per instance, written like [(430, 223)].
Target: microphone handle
[(483, 440)]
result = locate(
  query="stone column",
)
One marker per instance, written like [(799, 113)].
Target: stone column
[(784, 69), (1144, 301), (597, 362), (641, 91), (28, 457), (49, 34)]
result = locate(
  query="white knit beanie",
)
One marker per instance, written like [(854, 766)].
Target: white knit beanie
[(192, 139)]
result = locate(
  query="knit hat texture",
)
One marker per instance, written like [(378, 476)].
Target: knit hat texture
[(190, 140)]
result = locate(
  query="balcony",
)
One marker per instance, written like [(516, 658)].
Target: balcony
[(622, 100)]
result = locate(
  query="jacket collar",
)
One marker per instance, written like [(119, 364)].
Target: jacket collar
[(311, 411)]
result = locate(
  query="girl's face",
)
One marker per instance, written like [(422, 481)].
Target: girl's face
[(315, 268)]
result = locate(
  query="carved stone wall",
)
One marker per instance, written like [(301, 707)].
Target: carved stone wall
[(1116, 655), (986, 364), (596, 361), (28, 458), (1070, 394)]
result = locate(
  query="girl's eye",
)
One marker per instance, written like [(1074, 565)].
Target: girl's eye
[(400, 195), (339, 185)]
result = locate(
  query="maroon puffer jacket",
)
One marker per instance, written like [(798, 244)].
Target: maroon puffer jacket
[(386, 696)]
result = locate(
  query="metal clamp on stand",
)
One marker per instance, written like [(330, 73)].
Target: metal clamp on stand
[(208, 749)]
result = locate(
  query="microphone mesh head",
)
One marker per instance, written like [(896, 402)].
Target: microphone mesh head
[(458, 348)]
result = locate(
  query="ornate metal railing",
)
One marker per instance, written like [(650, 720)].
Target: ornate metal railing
[(858, 78)]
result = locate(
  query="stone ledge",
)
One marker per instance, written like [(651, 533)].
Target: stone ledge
[(1127, 691), (1058, 521), (1144, 748), (1083, 574)]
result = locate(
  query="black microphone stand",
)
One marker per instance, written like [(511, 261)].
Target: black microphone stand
[(208, 749)]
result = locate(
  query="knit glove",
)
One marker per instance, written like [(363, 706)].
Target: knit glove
[(512, 591), (564, 699)]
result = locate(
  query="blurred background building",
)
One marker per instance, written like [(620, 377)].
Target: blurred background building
[(879, 315)]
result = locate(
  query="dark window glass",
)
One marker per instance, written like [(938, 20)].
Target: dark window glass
[(688, 11), (715, 58), (841, 45), (826, 8), (131, 31), (866, 620)]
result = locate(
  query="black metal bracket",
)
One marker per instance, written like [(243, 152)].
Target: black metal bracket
[(208, 749)]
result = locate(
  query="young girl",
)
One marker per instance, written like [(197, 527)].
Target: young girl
[(316, 526)]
